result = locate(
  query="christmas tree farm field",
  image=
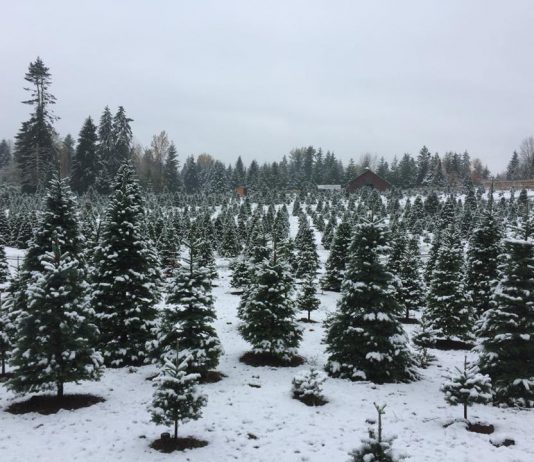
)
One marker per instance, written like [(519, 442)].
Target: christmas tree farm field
[(251, 415)]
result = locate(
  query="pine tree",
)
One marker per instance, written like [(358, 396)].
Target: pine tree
[(506, 330), (447, 307), (482, 260), (308, 387), (337, 260), (307, 299), (229, 246), (467, 387), (126, 279), (85, 164), (268, 314), (176, 397), (188, 316), (35, 152), (5, 154), (4, 269), (364, 339), (122, 138), (307, 260)]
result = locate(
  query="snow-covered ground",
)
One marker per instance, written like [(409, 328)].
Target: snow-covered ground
[(251, 424)]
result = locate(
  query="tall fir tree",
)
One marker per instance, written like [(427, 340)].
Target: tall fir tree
[(126, 277), (411, 292), (506, 330), (448, 310), (364, 339), (35, 151), (106, 152), (85, 164), (172, 179), (188, 316), (337, 259)]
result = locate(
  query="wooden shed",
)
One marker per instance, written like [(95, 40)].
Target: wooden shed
[(241, 191), (369, 179)]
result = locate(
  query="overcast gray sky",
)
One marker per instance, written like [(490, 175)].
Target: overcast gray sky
[(257, 78)]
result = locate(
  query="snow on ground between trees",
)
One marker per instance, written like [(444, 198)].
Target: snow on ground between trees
[(243, 422)]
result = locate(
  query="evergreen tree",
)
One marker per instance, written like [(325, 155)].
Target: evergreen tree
[(85, 164), (447, 307), (411, 294), (122, 138), (176, 397), (55, 334), (268, 314), (172, 179), (307, 260), (506, 330), (307, 300), (376, 448), (4, 269), (5, 154), (35, 152), (467, 387), (106, 152), (364, 339), (126, 278), (337, 260), (188, 316), (482, 260)]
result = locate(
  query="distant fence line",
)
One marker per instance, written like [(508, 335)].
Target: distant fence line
[(509, 184)]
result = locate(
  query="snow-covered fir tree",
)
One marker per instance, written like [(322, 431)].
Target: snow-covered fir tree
[(177, 398), (467, 386), (54, 334), (307, 299), (337, 259), (482, 260), (377, 447), (506, 330), (188, 316), (308, 386), (307, 259), (411, 292), (364, 339), (447, 307), (4, 268), (126, 277), (268, 314)]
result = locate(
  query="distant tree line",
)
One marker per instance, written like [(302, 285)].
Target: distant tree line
[(93, 159)]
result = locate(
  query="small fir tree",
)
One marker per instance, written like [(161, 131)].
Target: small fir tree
[(411, 292), (176, 397), (307, 299), (308, 387), (376, 448), (467, 387), (337, 260)]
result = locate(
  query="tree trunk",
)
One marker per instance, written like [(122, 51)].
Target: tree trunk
[(3, 362), (60, 390), (465, 411), (309, 314), (176, 429)]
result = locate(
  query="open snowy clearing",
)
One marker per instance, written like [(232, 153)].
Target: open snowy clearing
[(251, 423)]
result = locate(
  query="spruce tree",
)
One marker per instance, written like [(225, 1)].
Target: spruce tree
[(4, 269), (188, 316), (126, 277), (411, 292), (506, 330), (172, 180), (268, 314), (176, 397), (447, 307), (85, 164), (364, 339)]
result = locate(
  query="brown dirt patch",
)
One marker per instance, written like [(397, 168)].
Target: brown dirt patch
[(168, 445), (267, 359), (50, 404)]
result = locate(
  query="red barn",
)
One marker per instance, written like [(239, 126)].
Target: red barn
[(241, 191), (369, 179)]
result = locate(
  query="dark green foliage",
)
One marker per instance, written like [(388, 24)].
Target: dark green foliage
[(126, 277), (506, 330), (307, 299), (364, 339), (337, 260), (85, 164), (447, 308)]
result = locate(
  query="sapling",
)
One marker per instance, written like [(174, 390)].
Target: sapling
[(308, 387), (467, 386)]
